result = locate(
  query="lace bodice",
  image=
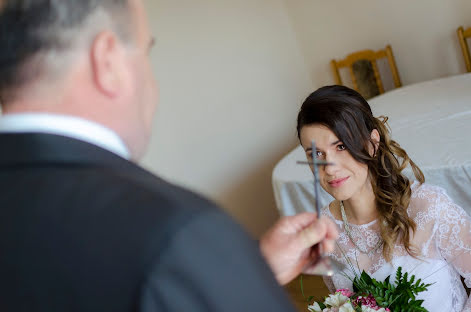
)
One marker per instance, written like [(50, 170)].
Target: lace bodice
[(443, 237)]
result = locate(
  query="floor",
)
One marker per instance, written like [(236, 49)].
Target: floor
[(313, 286)]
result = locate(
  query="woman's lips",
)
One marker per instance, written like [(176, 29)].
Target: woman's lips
[(338, 182)]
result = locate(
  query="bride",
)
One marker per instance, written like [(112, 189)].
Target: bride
[(385, 220)]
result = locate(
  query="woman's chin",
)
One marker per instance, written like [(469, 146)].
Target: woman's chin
[(339, 194)]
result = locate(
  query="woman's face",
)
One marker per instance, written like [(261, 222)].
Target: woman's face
[(344, 179)]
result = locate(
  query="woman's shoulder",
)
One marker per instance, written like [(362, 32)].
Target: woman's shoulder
[(426, 191), (428, 199), (423, 194)]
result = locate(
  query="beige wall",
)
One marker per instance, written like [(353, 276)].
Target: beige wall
[(421, 32), (233, 74), (232, 78)]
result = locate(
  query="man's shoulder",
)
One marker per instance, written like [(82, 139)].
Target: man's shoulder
[(133, 185), (136, 204)]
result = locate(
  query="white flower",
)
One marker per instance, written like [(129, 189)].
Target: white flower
[(346, 307), (335, 303), (368, 309), (314, 307), (336, 300)]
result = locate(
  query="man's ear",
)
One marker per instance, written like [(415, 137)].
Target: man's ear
[(108, 63), (375, 138)]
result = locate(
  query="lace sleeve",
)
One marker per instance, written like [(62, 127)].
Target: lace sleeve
[(329, 283), (454, 237)]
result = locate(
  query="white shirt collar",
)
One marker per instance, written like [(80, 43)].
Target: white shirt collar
[(69, 126)]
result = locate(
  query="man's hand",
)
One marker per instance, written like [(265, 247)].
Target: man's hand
[(288, 245)]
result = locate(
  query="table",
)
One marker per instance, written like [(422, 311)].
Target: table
[(430, 120)]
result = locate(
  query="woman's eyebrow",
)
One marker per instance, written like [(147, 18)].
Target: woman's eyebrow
[(333, 143)]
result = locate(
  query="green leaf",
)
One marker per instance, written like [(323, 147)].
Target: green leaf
[(302, 286)]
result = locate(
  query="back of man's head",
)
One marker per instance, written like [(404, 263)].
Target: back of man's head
[(84, 58), (38, 37)]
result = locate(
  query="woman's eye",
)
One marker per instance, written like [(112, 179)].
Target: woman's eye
[(341, 147), (319, 154)]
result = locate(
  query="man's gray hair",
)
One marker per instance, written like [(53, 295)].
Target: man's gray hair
[(34, 34)]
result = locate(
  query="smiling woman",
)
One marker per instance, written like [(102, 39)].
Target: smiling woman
[(386, 221), (347, 134), (344, 169)]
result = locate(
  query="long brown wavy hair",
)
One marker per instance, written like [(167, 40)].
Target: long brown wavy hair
[(346, 113)]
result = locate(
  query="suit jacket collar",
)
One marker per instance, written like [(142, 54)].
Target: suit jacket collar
[(19, 149)]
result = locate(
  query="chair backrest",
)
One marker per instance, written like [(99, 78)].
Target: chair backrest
[(364, 71), (462, 36)]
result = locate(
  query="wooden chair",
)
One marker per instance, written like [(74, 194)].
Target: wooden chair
[(462, 36), (364, 71)]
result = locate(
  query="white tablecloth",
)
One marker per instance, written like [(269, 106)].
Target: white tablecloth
[(430, 120)]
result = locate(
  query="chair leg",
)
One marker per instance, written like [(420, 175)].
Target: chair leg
[(335, 70), (464, 48), (392, 65)]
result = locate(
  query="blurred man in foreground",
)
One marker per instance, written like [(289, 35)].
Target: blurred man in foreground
[(82, 227)]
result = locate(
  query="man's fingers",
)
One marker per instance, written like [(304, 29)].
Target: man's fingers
[(328, 245), (313, 234), (301, 220), (318, 231), (332, 229)]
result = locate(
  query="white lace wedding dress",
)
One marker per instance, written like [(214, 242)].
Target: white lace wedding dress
[(443, 236)]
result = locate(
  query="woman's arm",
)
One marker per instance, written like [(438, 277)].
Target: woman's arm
[(454, 238)]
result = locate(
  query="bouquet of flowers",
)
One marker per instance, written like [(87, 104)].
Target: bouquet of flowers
[(370, 295)]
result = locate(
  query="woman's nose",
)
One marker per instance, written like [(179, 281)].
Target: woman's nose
[(332, 167)]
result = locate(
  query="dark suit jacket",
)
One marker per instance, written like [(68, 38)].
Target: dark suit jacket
[(82, 229)]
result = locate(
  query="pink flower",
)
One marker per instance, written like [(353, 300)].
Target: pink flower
[(345, 292), (367, 309), (366, 301), (368, 304)]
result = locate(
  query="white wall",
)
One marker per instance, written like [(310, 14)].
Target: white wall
[(422, 34), (232, 78)]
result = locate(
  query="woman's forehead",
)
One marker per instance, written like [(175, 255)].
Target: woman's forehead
[(320, 133)]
